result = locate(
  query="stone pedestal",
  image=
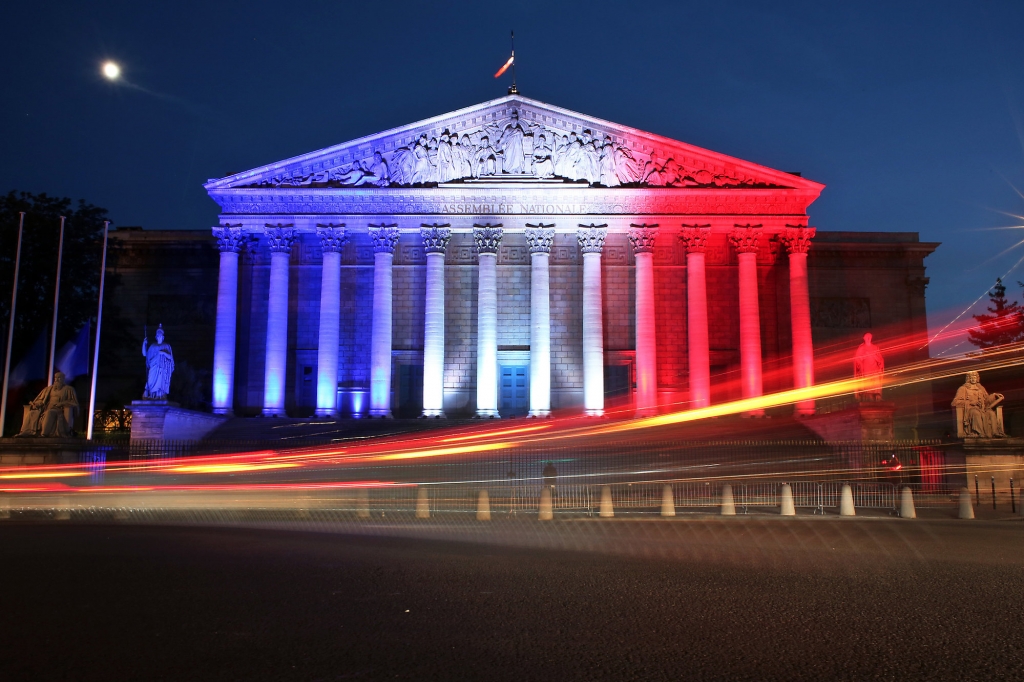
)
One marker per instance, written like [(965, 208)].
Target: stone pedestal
[(1002, 458), (35, 451), (864, 422), (164, 420)]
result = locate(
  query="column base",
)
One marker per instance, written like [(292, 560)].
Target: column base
[(593, 413), (645, 412), (380, 414), (755, 414), (325, 414), (272, 412), (226, 411), (432, 414), (539, 414), (487, 414)]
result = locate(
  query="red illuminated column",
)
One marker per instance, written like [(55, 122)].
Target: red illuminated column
[(591, 239), (798, 241), (642, 237), (279, 239), (745, 239), (695, 238)]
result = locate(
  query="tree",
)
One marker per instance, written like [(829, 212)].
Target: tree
[(1004, 325)]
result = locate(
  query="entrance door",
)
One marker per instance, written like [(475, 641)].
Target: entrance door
[(410, 391), (617, 388), (515, 391)]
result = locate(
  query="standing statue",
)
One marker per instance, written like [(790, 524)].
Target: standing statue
[(868, 364), (510, 144), (976, 410), (52, 413), (159, 366), (486, 159), (542, 158), (447, 168)]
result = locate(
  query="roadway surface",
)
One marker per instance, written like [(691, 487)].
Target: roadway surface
[(691, 598)]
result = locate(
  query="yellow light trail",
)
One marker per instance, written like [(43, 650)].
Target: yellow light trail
[(46, 474), (440, 452)]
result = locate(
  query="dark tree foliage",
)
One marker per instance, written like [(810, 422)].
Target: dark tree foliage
[(1004, 325), (80, 269)]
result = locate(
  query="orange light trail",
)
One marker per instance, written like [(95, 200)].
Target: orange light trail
[(505, 67)]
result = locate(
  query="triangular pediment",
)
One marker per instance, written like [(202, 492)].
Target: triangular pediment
[(514, 139)]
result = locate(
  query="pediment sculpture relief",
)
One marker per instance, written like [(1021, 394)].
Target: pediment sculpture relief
[(512, 149)]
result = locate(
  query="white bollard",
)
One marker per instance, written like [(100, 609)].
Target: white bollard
[(5, 507), (546, 512), (966, 509), (63, 510), (907, 510), (363, 503), (668, 503), (607, 510), (483, 506), (728, 505), (422, 503), (788, 507), (846, 501)]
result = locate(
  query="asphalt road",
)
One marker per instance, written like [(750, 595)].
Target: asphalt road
[(755, 599)]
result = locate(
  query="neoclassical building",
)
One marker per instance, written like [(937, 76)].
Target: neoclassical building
[(514, 258)]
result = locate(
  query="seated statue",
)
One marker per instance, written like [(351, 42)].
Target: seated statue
[(52, 413), (979, 414)]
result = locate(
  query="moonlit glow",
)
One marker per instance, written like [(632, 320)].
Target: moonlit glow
[(111, 70)]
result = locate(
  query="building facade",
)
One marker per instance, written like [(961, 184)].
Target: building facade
[(515, 258)]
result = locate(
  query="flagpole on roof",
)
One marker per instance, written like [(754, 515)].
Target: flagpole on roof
[(513, 90), (56, 300), (90, 418), (10, 327)]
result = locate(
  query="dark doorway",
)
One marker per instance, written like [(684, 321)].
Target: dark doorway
[(618, 390), (410, 391), (515, 391)]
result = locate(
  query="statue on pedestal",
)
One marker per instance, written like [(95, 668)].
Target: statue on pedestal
[(52, 413), (979, 414), (868, 364), (159, 366)]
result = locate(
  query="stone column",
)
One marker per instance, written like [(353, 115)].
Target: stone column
[(385, 238), (435, 241), (591, 239), (488, 238), (332, 241), (745, 240), (695, 238), (798, 241), (642, 237), (539, 237), (229, 241), (279, 239)]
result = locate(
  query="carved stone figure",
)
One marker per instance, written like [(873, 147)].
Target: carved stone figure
[(510, 144), (422, 170), (462, 156), (978, 412), (447, 168), (486, 161), (542, 163), (868, 364), (159, 366), (52, 413), (379, 169), (609, 178), (589, 163), (561, 157)]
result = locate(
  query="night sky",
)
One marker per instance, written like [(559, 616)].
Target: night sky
[(913, 115)]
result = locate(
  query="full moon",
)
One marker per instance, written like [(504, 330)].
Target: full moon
[(111, 70)]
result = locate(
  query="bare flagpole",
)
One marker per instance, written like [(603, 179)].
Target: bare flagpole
[(513, 90), (56, 299), (96, 348), (10, 327)]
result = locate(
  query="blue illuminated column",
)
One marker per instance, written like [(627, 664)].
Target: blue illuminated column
[(591, 239), (539, 238), (435, 241), (332, 241), (229, 241), (279, 239), (385, 238), (488, 239), (642, 237)]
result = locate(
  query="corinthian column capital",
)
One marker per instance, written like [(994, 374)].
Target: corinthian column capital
[(695, 237), (488, 237), (642, 237), (384, 238), (279, 237), (540, 237), (591, 238), (797, 238), (332, 237), (229, 238), (745, 238), (435, 237)]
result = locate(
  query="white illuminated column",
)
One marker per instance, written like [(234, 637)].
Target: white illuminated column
[(642, 237), (332, 241), (488, 239), (229, 241), (798, 241), (591, 239), (435, 240), (745, 240), (280, 239), (385, 238), (695, 238), (539, 238)]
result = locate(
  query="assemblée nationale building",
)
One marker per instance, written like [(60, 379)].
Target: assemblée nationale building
[(514, 258)]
